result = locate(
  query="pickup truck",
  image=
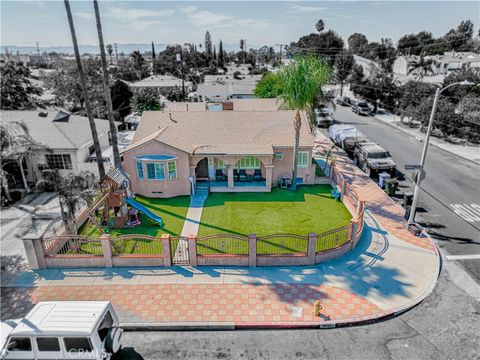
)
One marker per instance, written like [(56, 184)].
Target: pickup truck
[(373, 159)]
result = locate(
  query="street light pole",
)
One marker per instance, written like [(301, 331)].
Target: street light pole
[(418, 180)]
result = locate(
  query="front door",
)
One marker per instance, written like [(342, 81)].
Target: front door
[(201, 171)]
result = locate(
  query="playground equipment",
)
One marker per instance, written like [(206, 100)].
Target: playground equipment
[(113, 206)]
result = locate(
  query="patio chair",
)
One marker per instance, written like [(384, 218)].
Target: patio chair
[(257, 175), (235, 174), (219, 175), (242, 175)]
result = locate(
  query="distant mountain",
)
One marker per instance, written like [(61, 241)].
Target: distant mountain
[(93, 49)]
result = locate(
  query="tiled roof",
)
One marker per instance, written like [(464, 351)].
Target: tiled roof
[(72, 133), (257, 104), (185, 106), (160, 81), (222, 132)]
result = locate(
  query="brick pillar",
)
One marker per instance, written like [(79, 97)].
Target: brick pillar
[(312, 243), (268, 176), (192, 249), (353, 233), (252, 250), (167, 252), (34, 251), (230, 176), (107, 250)]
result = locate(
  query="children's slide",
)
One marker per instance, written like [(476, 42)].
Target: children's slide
[(143, 209)]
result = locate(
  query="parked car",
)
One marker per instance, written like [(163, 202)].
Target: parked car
[(361, 108), (372, 158), (343, 101), (349, 138), (63, 330), (324, 117), (335, 130)]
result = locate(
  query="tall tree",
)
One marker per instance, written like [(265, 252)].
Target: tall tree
[(356, 43), (344, 62), (138, 63), (110, 51), (242, 49), (91, 119), (208, 43), (214, 53), (106, 85), (17, 92), (121, 96), (302, 82), (153, 51), (221, 59), (269, 86), (320, 25), (145, 99)]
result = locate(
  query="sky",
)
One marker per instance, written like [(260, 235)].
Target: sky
[(259, 22)]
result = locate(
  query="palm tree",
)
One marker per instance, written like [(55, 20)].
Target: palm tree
[(106, 85), (110, 52), (302, 83), (74, 190), (15, 145), (420, 67), (88, 105)]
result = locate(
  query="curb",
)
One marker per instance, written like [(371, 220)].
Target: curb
[(433, 143)]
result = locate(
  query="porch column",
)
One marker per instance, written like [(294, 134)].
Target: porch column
[(268, 176), (192, 170), (230, 176)]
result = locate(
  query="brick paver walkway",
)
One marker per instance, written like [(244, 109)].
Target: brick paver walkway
[(244, 303)]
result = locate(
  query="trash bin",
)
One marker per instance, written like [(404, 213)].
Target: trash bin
[(391, 186), (407, 199), (382, 177)]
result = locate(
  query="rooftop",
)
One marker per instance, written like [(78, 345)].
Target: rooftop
[(222, 132), (160, 81), (70, 132), (62, 318)]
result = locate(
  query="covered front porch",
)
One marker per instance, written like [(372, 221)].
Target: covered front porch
[(234, 173)]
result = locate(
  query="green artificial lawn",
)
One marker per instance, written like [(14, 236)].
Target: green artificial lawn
[(309, 209), (173, 212)]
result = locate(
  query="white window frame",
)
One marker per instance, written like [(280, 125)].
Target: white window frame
[(174, 175), (302, 161), (220, 164), (249, 162), (156, 167), (142, 177)]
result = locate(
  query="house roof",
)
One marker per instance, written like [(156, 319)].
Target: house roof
[(185, 106), (222, 132), (160, 81), (257, 104), (117, 175), (71, 133)]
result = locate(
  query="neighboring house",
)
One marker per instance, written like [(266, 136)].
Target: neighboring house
[(163, 83), (234, 104), (68, 139), (368, 66), (233, 151), (225, 87)]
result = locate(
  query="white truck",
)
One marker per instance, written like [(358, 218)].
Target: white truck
[(63, 330)]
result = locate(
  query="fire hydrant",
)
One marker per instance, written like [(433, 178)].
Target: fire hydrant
[(317, 308)]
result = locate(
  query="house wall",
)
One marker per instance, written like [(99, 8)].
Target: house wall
[(158, 188), (286, 164), (400, 66)]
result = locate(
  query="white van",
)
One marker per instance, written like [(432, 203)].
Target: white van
[(63, 330)]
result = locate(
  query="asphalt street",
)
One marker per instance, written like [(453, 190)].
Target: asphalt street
[(450, 189), (443, 327)]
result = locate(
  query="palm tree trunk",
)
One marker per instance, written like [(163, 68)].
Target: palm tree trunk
[(106, 85), (88, 106), (297, 124), (67, 218), (6, 189), (22, 172)]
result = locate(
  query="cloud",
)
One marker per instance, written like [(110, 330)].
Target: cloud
[(205, 18), (293, 8), (135, 14)]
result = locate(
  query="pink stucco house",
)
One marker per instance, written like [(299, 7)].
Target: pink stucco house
[(229, 151)]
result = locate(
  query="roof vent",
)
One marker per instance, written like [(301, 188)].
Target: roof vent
[(62, 117), (43, 114)]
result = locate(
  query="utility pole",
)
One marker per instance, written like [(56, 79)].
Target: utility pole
[(116, 52), (421, 172), (180, 58)]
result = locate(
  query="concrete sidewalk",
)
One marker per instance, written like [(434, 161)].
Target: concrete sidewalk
[(384, 275)]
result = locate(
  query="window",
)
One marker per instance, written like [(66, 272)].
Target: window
[(249, 163), (48, 344), (59, 161), (302, 160), (172, 169), (19, 344), (278, 156), (155, 171), (140, 173), (220, 164), (105, 326), (91, 149), (77, 344)]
